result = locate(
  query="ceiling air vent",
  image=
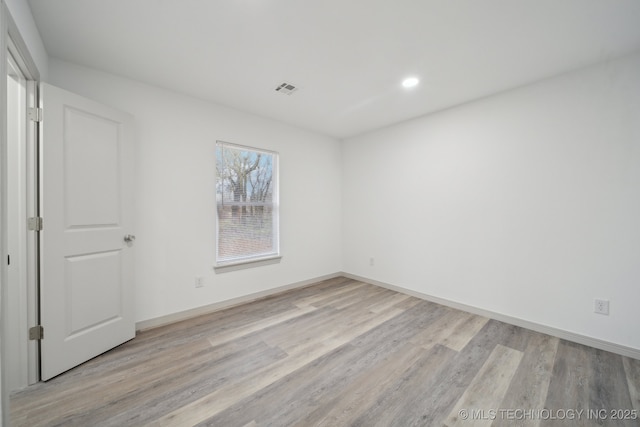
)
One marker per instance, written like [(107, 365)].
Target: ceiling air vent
[(286, 88)]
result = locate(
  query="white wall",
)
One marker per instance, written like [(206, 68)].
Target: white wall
[(176, 193), (526, 203)]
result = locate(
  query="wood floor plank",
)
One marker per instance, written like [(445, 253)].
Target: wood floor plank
[(529, 386), (172, 390), (632, 371), (569, 385), (339, 353), (294, 335), (293, 397), (365, 296), (259, 325), (439, 330), (333, 326), (208, 406), (317, 298), (388, 302), (452, 382), (82, 408), (408, 303), (227, 395), (464, 331), (237, 315), (348, 405), (396, 405), (354, 292), (79, 390), (487, 390), (302, 392), (607, 369), (585, 380)]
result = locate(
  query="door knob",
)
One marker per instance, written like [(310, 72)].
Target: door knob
[(129, 238)]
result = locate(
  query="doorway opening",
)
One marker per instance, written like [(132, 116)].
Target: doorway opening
[(22, 354)]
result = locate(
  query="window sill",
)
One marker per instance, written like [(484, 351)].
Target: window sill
[(244, 264)]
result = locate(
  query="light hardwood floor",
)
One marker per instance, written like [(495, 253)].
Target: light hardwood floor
[(339, 353)]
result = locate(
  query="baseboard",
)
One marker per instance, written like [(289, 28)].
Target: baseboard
[(545, 329), (187, 314)]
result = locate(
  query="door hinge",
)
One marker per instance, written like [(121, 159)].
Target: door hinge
[(35, 223), (36, 332), (35, 114)]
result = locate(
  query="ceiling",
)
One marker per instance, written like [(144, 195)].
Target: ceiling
[(347, 57)]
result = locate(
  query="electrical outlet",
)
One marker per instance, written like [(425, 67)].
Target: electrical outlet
[(372, 261), (199, 281), (601, 306)]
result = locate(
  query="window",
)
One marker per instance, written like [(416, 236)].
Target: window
[(247, 204)]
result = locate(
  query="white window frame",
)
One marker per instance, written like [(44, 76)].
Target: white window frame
[(261, 259)]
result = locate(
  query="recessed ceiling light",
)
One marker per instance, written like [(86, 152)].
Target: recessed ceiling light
[(410, 82)]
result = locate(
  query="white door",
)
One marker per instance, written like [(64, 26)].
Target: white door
[(86, 276)]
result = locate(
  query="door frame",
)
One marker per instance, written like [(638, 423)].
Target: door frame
[(13, 45), (22, 244)]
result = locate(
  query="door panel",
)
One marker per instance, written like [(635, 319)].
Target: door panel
[(86, 283), (91, 170), (93, 276)]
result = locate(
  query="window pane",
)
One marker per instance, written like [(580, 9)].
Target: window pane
[(246, 195), (245, 232)]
